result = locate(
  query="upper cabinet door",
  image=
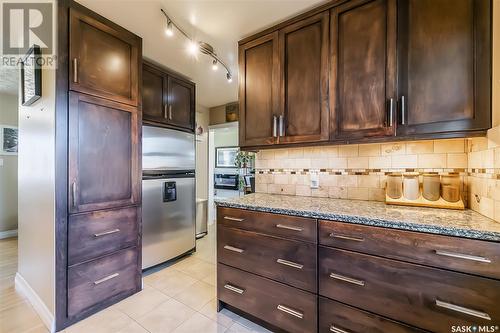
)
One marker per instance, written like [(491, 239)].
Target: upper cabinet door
[(259, 90), (104, 59), (363, 71), (304, 58), (154, 101), (444, 66), (103, 154), (181, 104)]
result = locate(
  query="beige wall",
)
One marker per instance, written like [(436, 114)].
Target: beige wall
[(8, 167), (202, 116), (36, 197)]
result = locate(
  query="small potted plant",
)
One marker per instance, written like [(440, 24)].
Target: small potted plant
[(243, 161)]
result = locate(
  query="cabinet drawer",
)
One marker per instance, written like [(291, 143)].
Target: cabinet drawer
[(285, 307), (340, 318), (425, 297), (94, 282), (290, 227), (287, 261), (454, 253), (99, 233)]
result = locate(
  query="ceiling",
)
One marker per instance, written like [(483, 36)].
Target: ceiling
[(220, 23)]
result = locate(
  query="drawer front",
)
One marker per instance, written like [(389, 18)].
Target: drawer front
[(424, 297), (454, 253), (94, 282), (95, 234), (340, 318), (287, 261), (290, 227), (285, 307)]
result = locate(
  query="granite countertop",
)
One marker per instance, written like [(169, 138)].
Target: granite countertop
[(466, 223)]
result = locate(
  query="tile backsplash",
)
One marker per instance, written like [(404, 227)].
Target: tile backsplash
[(359, 171)]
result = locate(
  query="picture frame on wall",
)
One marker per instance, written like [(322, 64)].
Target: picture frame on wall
[(31, 76), (225, 157), (9, 140)]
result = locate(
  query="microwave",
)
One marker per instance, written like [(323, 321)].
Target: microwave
[(226, 182)]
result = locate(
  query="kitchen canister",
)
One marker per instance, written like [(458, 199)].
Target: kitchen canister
[(411, 186), (431, 186), (394, 185), (450, 187)]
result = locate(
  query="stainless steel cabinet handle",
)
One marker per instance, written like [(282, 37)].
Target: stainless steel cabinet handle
[(463, 310), (289, 263), (234, 289), (73, 194), (289, 227), (234, 249), (355, 239), (403, 110), (391, 111), (170, 112), (292, 312), (282, 126), (233, 219), (275, 126), (462, 256), (337, 330), (106, 233), (165, 108), (107, 278), (347, 279), (75, 70)]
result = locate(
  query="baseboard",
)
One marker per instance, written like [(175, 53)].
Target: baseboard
[(47, 317), (8, 234)]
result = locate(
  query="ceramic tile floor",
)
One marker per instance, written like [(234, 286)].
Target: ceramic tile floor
[(180, 298)]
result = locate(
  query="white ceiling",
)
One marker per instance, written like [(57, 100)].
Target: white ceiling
[(220, 23)]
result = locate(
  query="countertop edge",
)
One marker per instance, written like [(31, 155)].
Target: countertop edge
[(401, 225)]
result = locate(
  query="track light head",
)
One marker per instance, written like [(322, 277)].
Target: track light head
[(229, 78), (215, 66), (169, 31)]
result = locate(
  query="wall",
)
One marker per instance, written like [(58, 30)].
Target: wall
[(218, 114), (8, 167), (202, 115), (36, 197)]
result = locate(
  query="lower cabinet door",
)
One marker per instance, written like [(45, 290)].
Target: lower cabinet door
[(94, 282), (340, 318), (282, 306)]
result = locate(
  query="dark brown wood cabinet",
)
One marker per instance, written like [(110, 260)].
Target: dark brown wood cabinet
[(363, 72), (444, 66), (259, 91), (168, 100), (103, 59), (395, 68)]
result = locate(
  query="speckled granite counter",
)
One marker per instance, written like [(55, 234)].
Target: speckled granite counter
[(466, 223)]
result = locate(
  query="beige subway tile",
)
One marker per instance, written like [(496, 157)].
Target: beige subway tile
[(337, 163), (494, 137), (331, 151), (357, 193), (287, 189), (404, 161), (357, 163), (319, 163), (347, 180), (266, 178), (266, 154), (299, 179), (303, 190), (261, 188), (457, 160), (497, 211), (303, 163), (327, 179), (488, 158), (497, 158), (427, 161), (370, 149), (321, 192), (487, 207), (393, 149), (296, 153), (478, 144), (281, 154), (376, 194), (280, 179), (288, 163), (420, 147), (372, 181), (475, 160), (450, 146), (348, 151), (337, 192), (381, 162), (261, 164), (316, 152), (276, 164)]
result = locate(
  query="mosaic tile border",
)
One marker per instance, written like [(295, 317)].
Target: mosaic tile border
[(359, 172)]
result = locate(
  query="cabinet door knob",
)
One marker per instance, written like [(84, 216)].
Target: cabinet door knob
[(463, 310)]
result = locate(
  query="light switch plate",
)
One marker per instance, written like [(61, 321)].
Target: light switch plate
[(314, 178)]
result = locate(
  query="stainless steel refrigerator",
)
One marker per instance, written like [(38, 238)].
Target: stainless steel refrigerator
[(168, 195)]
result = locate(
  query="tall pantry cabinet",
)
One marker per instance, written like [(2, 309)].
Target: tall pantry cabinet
[(98, 233)]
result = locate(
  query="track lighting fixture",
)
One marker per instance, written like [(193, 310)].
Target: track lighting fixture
[(195, 47)]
